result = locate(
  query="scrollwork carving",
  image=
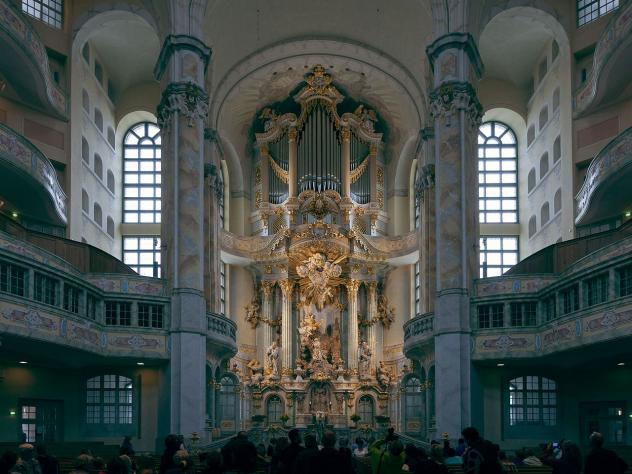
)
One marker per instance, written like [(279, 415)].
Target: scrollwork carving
[(186, 99), (454, 96)]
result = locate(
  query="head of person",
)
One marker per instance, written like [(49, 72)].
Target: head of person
[(436, 453), (127, 461), (596, 440), (570, 452), (502, 455), (242, 435), (528, 452), (471, 435), (84, 462), (329, 439), (172, 443), (294, 436), (27, 451), (40, 449), (310, 441), (144, 465), (395, 448), (343, 443), (117, 466)]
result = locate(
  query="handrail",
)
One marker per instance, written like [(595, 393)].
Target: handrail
[(220, 324), (420, 324)]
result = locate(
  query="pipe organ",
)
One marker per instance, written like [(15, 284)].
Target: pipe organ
[(319, 165)]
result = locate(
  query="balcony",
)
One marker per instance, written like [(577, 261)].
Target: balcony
[(606, 192), (612, 64), (44, 299), (418, 334), (25, 171), (221, 337), (24, 62)]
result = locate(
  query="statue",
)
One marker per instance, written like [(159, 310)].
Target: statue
[(253, 313), (364, 359), (308, 329), (272, 359), (367, 117), (270, 117), (385, 313), (318, 272), (383, 375), (256, 371)]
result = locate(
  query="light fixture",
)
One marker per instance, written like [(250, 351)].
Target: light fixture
[(14, 215), (500, 364), (23, 362), (621, 364), (140, 363), (628, 213), (12, 412)]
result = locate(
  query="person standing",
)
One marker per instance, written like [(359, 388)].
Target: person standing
[(480, 457), (600, 460), (288, 456), (388, 459)]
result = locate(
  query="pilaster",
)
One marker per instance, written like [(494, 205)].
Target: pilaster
[(352, 330), (287, 286), (375, 328)]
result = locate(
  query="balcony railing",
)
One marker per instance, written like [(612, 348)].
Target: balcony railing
[(418, 331)]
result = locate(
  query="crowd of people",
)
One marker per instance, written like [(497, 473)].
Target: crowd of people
[(297, 455)]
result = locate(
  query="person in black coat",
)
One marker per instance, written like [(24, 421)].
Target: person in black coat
[(601, 460)]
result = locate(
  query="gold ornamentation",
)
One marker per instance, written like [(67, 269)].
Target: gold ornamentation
[(280, 172), (292, 134), (266, 288), (258, 175), (319, 82), (385, 312), (380, 176), (253, 313), (357, 173), (258, 198), (318, 272), (352, 287), (286, 287), (380, 200)]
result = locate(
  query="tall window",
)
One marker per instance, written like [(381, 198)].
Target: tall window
[(365, 410), (48, 11), (274, 409), (417, 288), (222, 287), (498, 254), (532, 401), (227, 399), (222, 199), (109, 400), (143, 255), (141, 174), (590, 10), (497, 174), (413, 404)]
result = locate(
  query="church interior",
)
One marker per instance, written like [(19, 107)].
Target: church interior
[(221, 216)]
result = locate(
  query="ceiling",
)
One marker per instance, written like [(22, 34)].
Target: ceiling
[(510, 47), (128, 49)]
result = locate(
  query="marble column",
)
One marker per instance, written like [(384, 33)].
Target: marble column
[(181, 114), (456, 113), (352, 330), (213, 195), (375, 325), (265, 332), (286, 326), (425, 199)]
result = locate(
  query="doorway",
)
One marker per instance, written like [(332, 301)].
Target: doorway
[(41, 421), (608, 418)]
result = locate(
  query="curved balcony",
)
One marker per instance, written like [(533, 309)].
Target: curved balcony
[(48, 306), (25, 171), (606, 191), (418, 333), (612, 63), (24, 63), (221, 337)]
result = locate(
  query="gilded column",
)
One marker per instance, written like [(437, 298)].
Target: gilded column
[(375, 326), (352, 330), (265, 329), (181, 115), (286, 326), (456, 113)]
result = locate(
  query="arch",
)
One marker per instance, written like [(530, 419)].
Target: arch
[(365, 409), (545, 213), (97, 215), (98, 118), (85, 201), (85, 52), (275, 408), (401, 177), (543, 117), (556, 99), (530, 134), (533, 226), (98, 166), (110, 182), (544, 164), (85, 101), (85, 150), (555, 50), (531, 180), (110, 226), (227, 403), (557, 201), (557, 149), (111, 137)]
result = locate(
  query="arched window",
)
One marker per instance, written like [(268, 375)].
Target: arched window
[(110, 183), (98, 215), (274, 409), (557, 201), (227, 403), (531, 180), (544, 164), (85, 201), (98, 119), (110, 226), (530, 135), (85, 150), (109, 400), (98, 165), (557, 149), (545, 213), (222, 198), (85, 52), (544, 117), (111, 137), (417, 287), (497, 171), (533, 226), (556, 99), (532, 401), (85, 100), (141, 174), (413, 404), (365, 410), (555, 50)]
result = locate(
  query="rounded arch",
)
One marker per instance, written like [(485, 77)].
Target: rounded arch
[(365, 409)]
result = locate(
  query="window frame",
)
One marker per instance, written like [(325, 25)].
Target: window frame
[(104, 399), (54, 15), (533, 401), (582, 7), (484, 267), (127, 251)]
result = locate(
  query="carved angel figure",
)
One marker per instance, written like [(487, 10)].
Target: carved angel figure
[(364, 358), (319, 271), (253, 313), (272, 359), (383, 375), (366, 116), (270, 117), (385, 313)]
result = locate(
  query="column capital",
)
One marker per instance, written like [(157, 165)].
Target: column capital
[(292, 134), (345, 133), (453, 96), (286, 287), (353, 286), (266, 287), (425, 180), (175, 43), (184, 98), (427, 133), (456, 41)]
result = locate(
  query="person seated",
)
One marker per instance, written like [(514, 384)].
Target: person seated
[(506, 463), (530, 459)]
